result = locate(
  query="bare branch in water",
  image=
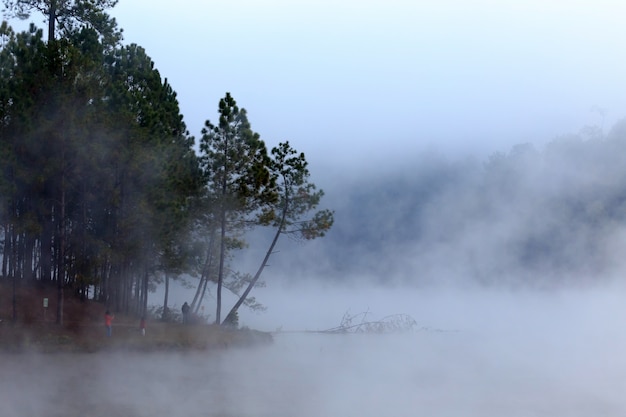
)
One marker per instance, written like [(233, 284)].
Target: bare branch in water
[(358, 323)]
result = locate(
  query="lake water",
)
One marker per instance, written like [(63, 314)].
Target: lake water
[(484, 354), (426, 373)]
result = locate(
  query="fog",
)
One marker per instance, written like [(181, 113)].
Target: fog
[(361, 83), (528, 339), (473, 353), (545, 216), (503, 327), (496, 333), (524, 336), (511, 266)]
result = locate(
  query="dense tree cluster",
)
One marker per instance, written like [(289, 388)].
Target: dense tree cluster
[(95, 155), (101, 187)]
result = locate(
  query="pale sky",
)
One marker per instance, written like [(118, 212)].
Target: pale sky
[(391, 76), (386, 78)]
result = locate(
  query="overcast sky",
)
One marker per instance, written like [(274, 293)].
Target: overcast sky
[(390, 77), (333, 75)]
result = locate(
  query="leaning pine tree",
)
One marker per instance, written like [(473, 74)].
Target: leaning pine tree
[(236, 167), (290, 213)]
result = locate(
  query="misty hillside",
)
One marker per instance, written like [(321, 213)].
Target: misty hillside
[(541, 215)]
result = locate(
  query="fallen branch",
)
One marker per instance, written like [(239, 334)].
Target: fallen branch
[(396, 323)]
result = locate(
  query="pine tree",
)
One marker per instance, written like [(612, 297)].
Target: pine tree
[(236, 166)]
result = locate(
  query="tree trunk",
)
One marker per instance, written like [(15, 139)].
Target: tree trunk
[(256, 277), (5, 252), (14, 299), (45, 260), (61, 260), (29, 246), (220, 274), (52, 17), (204, 278), (164, 316), (144, 301)]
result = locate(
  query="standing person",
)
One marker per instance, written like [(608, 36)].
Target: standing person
[(108, 321), (185, 313), (142, 325)]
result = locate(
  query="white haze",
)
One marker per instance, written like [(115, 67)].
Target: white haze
[(456, 76), (369, 82), (474, 354)]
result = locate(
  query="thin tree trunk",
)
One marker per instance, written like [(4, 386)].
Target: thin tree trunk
[(194, 303), (45, 260), (256, 277), (204, 287), (144, 304), (5, 253), (14, 299), (29, 246), (52, 17), (13, 257), (61, 260), (164, 316), (220, 275), (204, 278), (19, 265)]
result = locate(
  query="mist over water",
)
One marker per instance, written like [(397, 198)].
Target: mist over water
[(540, 228), (473, 353), (506, 325)]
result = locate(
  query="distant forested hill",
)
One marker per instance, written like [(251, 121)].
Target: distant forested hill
[(540, 216)]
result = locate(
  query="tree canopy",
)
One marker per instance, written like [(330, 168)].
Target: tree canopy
[(68, 16), (98, 166), (235, 163), (102, 187)]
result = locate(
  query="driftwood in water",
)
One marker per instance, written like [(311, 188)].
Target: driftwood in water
[(358, 323)]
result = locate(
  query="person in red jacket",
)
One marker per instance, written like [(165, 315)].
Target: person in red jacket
[(108, 321)]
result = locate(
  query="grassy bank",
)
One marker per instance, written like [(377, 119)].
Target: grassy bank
[(35, 329)]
